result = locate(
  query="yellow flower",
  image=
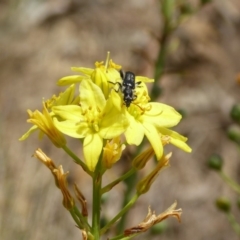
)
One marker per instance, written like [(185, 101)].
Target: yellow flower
[(44, 122), (112, 152), (94, 120), (146, 119), (101, 75), (65, 98), (150, 119), (169, 136)]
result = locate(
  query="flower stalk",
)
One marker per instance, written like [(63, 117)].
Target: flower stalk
[(99, 116)]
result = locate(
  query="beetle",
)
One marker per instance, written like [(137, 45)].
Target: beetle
[(127, 87)]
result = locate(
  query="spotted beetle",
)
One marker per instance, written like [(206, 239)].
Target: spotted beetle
[(128, 87)]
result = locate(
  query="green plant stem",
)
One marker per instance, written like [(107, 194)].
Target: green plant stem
[(114, 183), (166, 10), (77, 160), (159, 65), (82, 218), (233, 222), (76, 219), (230, 182), (97, 184), (120, 214)]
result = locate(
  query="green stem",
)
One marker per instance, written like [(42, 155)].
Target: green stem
[(230, 182), (76, 219), (120, 214), (77, 160), (159, 65), (167, 9), (233, 222), (82, 218), (97, 185), (120, 179)]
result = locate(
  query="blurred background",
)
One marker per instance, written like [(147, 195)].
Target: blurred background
[(39, 42)]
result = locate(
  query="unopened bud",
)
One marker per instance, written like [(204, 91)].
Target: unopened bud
[(215, 162), (234, 133), (112, 152), (223, 204), (140, 161), (144, 185), (235, 113)]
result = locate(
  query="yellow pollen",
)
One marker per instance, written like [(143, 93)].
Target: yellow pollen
[(92, 118)]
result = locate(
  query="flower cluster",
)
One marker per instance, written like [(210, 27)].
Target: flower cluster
[(97, 114)]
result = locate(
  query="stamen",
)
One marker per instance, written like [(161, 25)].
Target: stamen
[(96, 127), (107, 60)]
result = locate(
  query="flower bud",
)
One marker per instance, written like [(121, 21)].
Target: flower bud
[(223, 204), (234, 133), (235, 113), (140, 161), (215, 162), (112, 152), (144, 185)]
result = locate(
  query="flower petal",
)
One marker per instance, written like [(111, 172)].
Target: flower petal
[(113, 123), (176, 139), (92, 147), (86, 71), (143, 79), (29, 132), (69, 112), (161, 115), (154, 138), (135, 132), (64, 98), (72, 129), (70, 80), (91, 95)]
